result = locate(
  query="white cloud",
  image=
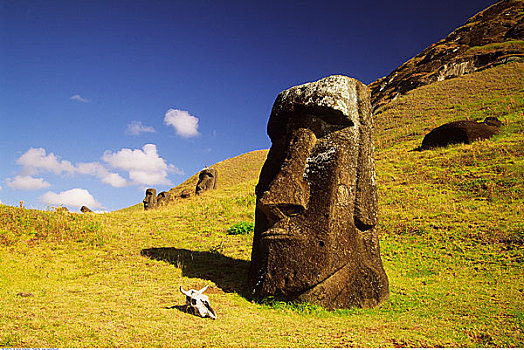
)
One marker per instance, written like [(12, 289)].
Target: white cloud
[(27, 183), (79, 98), (144, 166), (137, 128), (98, 170), (184, 123), (36, 160), (75, 197), (114, 180)]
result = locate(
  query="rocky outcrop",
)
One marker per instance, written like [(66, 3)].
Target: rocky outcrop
[(493, 36), (316, 234)]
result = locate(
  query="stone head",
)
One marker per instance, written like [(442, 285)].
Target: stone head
[(150, 199), (162, 198), (85, 209), (316, 197), (493, 121), (207, 180)]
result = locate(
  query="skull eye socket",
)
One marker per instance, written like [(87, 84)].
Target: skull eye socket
[(193, 301)]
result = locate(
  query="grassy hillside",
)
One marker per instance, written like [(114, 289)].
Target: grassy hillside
[(231, 172), (452, 238)]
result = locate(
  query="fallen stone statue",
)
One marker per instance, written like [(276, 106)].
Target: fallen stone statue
[(198, 303), (316, 236), (462, 131)]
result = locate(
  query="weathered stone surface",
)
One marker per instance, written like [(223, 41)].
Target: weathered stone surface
[(493, 36), (85, 209), (462, 131), (163, 198), (150, 199), (207, 180), (316, 236)]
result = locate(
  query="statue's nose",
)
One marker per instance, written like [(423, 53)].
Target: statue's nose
[(288, 192)]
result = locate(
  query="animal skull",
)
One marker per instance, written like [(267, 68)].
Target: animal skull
[(198, 303)]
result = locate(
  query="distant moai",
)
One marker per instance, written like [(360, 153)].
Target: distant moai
[(163, 198), (85, 209), (150, 199), (316, 234), (207, 180)]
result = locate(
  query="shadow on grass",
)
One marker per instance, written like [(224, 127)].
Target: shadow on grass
[(227, 273)]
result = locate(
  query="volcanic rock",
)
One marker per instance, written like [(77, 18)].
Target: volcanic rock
[(493, 36), (316, 237), (462, 131)]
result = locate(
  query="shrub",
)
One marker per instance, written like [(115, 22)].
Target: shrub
[(241, 228)]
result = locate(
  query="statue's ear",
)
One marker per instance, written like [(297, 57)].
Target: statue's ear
[(366, 202)]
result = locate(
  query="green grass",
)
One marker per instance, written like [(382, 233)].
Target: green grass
[(451, 240), (510, 44)]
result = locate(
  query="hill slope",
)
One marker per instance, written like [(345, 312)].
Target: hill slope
[(452, 239), (231, 172)]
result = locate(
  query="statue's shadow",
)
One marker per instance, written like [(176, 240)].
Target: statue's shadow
[(227, 273)]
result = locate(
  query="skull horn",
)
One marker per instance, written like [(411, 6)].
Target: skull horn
[(202, 290), (184, 292)]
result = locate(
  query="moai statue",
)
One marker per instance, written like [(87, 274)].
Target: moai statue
[(85, 209), (150, 199), (162, 199), (207, 180), (316, 235)]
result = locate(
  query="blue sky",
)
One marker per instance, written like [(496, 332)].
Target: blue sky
[(102, 99)]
